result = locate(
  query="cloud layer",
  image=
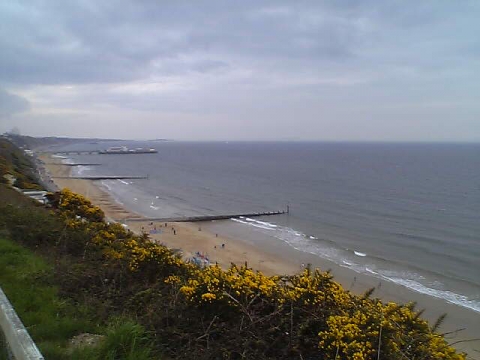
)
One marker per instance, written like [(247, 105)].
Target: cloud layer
[(11, 104), (330, 70)]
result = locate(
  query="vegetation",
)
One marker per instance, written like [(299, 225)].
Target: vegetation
[(124, 339), (28, 277), (211, 313), (13, 162), (52, 321), (92, 273), (24, 278)]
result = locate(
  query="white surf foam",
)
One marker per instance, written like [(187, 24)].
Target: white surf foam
[(104, 183), (254, 224), (446, 295), (358, 253), (123, 182), (302, 242), (239, 221), (260, 222), (81, 169)]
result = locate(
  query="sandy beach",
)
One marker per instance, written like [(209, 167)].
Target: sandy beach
[(271, 258), (190, 238)]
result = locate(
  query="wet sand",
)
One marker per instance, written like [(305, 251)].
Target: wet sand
[(270, 258)]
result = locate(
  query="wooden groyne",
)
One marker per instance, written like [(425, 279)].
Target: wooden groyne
[(101, 177), (208, 217), (100, 152), (73, 152), (75, 164)]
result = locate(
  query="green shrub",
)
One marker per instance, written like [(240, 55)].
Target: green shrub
[(124, 340), (211, 313), (51, 321)]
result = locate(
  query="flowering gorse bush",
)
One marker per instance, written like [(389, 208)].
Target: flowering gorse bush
[(242, 313), (76, 206)]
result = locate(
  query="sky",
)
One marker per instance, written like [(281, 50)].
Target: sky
[(242, 70)]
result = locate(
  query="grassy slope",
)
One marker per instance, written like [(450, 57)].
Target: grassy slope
[(27, 280), (50, 320), (25, 277), (53, 321), (13, 161)]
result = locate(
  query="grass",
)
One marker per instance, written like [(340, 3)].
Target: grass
[(52, 321), (124, 339)]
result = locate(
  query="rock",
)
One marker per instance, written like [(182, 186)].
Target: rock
[(85, 339)]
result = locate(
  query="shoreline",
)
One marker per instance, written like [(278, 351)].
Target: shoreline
[(270, 258), (186, 236)]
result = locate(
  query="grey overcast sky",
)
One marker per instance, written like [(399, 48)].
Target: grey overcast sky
[(242, 70)]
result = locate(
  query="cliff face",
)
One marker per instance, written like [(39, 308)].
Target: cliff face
[(16, 167), (49, 142)]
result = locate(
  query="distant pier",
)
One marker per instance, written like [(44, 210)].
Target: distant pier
[(208, 217)]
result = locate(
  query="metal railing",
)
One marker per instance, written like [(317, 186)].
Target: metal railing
[(19, 344)]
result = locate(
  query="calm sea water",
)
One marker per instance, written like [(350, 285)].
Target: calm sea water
[(406, 213)]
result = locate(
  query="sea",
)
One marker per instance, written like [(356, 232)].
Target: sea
[(407, 213)]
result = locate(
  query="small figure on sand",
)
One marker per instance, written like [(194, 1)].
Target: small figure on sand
[(223, 246)]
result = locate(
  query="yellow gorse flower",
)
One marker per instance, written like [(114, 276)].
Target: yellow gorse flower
[(351, 324)]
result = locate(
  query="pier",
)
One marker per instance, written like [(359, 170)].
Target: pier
[(101, 177), (208, 217)]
